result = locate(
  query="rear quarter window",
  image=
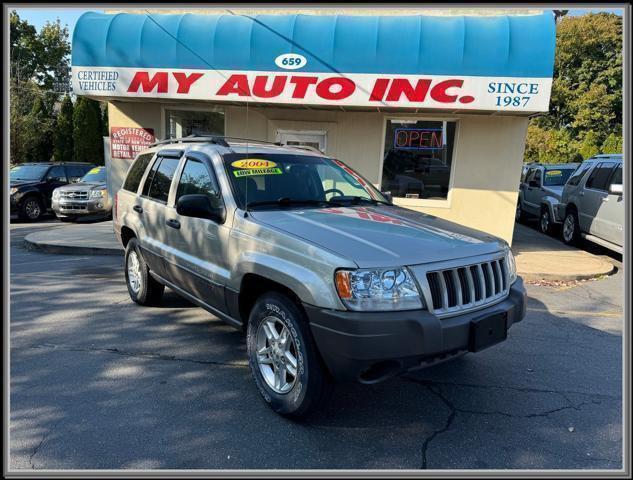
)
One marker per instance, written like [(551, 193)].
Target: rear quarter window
[(134, 176)]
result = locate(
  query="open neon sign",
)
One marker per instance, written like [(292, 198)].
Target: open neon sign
[(418, 139)]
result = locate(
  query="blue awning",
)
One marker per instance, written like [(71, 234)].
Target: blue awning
[(492, 46)]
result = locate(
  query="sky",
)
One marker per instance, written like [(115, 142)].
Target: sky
[(39, 16)]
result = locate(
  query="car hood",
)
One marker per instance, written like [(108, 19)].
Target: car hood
[(554, 191), (382, 236), (82, 186), (23, 183)]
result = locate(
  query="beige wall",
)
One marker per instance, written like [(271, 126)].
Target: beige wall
[(486, 163)]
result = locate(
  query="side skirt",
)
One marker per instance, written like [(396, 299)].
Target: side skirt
[(222, 316)]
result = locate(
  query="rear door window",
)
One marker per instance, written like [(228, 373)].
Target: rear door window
[(159, 179), (57, 174), (599, 178), (135, 175), (616, 179)]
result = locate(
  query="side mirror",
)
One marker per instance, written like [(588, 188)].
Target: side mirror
[(200, 206), (616, 189), (388, 196)]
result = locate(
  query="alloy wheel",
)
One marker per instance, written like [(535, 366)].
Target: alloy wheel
[(569, 227), (134, 272), (276, 355), (545, 221), (32, 209)]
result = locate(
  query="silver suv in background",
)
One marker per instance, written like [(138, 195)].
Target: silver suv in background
[(540, 192), (86, 199), (328, 278), (592, 203)]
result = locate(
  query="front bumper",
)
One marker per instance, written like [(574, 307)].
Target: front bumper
[(77, 208), (371, 346)]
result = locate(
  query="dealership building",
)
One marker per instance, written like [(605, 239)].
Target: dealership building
[(432, 106)]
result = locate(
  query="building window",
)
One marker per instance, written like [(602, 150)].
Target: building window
[(182, 123), (418, 158)]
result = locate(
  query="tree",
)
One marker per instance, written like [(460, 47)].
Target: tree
[(87, 129), (612, 144), (38, 70), (586, 100), (63, 133)]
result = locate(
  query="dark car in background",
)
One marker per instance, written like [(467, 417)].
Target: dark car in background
[(540, 193), (87, 199), (32, 185)]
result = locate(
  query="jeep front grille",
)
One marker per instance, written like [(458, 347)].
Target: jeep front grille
[(463, 288)]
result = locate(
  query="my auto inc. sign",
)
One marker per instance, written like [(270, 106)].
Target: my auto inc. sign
[(367, 90)]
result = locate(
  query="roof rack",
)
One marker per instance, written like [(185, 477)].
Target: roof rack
[(306, 147), (218, 140)]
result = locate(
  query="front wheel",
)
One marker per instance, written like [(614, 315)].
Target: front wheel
[(545, 222), (571, 228), (141, 286), (32, 209), (283, 357)]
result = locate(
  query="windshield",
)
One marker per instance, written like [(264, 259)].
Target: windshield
[(266, 179), (557, 177), (95, 175), (28, 172)]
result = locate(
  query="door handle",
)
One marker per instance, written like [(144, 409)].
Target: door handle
[(581, 194), (137, 208), (173, 223)]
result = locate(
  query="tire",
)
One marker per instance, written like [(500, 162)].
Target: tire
[(519, 215), (545, 222), (141, 286), (571, 228), (310, 387), (32, 209)]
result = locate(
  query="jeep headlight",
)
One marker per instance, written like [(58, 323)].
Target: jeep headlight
[(378, 289), (98, 193), (512, 266), (56, 194)]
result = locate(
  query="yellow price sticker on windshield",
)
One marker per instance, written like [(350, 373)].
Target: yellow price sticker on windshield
[(251, 163), (553, 173), (257, 171), (95, 170)]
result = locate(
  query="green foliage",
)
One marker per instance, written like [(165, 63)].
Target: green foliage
[(87, 129), (63, 146), (586, 102), (612, 144)]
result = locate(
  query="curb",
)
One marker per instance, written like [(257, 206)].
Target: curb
[(69, 249), (537, 277)]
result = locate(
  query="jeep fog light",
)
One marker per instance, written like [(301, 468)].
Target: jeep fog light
[(378, 289)]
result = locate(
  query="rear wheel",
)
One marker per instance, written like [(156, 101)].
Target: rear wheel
[(571, 228), (141, 286), (519, 215), (283, 358)]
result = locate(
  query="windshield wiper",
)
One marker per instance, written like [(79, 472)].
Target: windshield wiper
[(355, 200), (287, 202)]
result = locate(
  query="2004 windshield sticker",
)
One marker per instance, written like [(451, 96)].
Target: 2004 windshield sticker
[(255, 166)]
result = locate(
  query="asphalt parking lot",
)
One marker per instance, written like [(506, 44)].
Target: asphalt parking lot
[(98, 382)]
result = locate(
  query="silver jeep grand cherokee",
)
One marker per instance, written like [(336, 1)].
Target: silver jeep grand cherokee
[(329, 279)]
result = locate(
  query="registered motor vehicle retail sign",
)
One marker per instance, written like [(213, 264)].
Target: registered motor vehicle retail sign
[(127, 142)]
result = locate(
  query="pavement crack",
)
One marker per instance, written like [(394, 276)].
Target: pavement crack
[(148, 355), (447, 425)]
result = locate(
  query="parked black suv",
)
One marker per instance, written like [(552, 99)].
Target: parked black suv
[(32, 185)]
